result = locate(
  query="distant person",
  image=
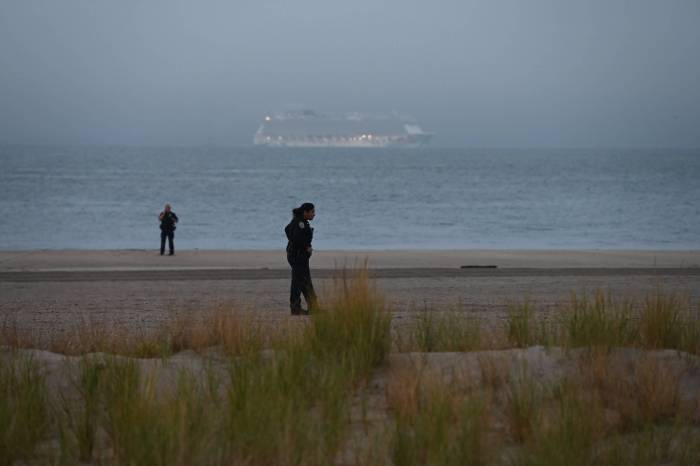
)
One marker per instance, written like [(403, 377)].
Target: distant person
[(168, 219), (299, 250)]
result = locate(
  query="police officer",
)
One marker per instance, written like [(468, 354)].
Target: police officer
[(299, 233), (168, 219)]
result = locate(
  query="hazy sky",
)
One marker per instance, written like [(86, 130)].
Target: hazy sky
[(505, 73)]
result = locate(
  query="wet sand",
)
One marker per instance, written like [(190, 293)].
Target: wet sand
[(143, 259), (49, 292)]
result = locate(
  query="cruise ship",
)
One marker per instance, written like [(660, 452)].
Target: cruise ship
[(307, 128)]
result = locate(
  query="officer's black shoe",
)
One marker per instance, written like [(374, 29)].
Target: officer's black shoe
[(171, 254), (300, 312)]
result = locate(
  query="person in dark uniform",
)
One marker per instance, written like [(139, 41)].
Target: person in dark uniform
[(168, 219), (299, 235)]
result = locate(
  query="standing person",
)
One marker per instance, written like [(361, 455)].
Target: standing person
[(299, 233), (168, 219)]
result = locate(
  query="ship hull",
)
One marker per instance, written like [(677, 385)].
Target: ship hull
[(310, 129), (360, 144)]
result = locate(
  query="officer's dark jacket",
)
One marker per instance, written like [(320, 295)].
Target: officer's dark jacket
[(167, 224), (299, 235)]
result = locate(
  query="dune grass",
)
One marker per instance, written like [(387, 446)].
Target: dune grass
[(678, 445), (562, 431), (521, 325), (119, 411), (287, 405), (436, 424), (436, 332), (79, 417), (661, 324), (261, 397), (24, 410), (600, 321), (662, 321), (224, 328), (605, 412), (524, 397), (644, 393)]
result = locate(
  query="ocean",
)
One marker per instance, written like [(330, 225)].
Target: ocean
[(431, 198)]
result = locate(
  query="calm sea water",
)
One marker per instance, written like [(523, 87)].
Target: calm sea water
[(240, 198)]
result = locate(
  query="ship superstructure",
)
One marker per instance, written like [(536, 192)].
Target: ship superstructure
[(308, 128)]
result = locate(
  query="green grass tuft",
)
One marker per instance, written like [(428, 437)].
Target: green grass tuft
[(449, 331), (24, 419), (521, 325), (599, 322), (660, 324), (437, 425), (566, 432)]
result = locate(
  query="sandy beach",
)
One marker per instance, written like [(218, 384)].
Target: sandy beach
[(48, 292)]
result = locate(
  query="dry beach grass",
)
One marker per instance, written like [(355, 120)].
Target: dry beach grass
[(603, 381)]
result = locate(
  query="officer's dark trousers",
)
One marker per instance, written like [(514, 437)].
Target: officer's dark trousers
[(301, 281), (170, 235)]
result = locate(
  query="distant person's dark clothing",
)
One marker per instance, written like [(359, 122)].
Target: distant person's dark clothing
[(299, 235), (167, 230)]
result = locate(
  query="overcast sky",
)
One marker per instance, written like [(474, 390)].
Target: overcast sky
[(503, 73)]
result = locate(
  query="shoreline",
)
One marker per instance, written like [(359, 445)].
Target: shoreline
[(142, 260)]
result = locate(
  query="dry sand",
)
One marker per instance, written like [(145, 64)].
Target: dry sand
[(48, 292)]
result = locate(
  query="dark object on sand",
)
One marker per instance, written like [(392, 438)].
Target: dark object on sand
[(479, 267)]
